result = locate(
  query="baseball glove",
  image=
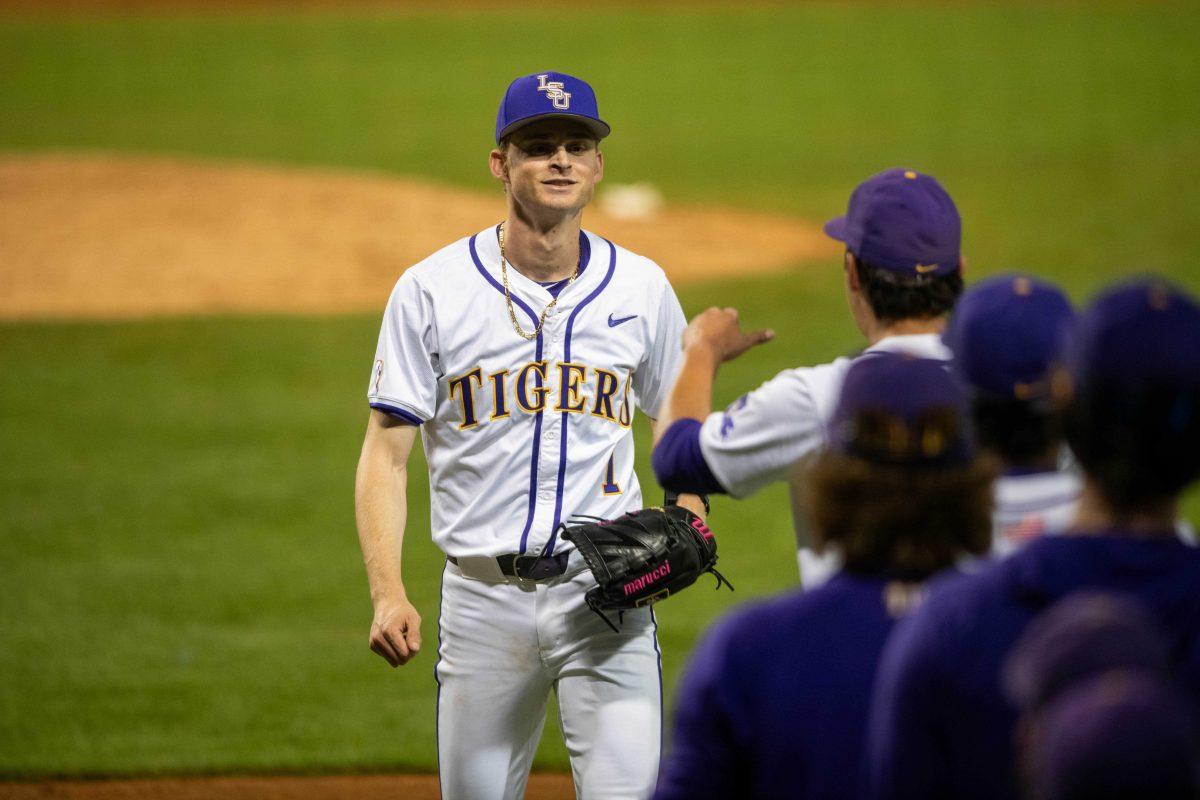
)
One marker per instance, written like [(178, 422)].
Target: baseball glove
[(643, 557)]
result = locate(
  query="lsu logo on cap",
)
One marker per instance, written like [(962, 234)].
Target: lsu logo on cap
[(554, 92)]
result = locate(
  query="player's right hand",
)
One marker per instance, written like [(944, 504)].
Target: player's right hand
[(718, 330), (396, 631)]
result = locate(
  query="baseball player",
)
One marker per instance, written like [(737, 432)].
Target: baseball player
[(903, 269), (940, 725), (775, 701), (521, 354), (1007, 334)]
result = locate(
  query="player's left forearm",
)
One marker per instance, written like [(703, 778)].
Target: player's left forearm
[(692, 502)]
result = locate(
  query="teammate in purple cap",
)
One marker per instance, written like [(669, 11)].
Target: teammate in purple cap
[(940, 724), (1101, 716), (521, 354), (775, 701), (1007, 334), (1118, 736), (903, 274)]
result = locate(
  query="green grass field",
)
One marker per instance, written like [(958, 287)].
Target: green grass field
[(181, 587)]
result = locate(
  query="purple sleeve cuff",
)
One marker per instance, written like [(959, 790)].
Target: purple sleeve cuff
[(678, 462), (398, 413)]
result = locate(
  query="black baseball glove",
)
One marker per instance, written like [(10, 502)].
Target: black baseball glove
[(643, 556)]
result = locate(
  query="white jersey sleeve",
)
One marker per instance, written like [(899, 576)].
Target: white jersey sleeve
[(764, 434), (656, 373), (779, 427), (404, 379)]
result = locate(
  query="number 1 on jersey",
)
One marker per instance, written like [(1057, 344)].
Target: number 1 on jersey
[(610, 478)]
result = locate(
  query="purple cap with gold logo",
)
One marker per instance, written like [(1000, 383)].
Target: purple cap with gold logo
[(902, 221), (1007, 334), (1139, 333), (549, 95), (897, 409)]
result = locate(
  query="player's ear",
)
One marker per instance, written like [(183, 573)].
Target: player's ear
[(599, 164), (1062, 387), (849, 266), (498, 163)]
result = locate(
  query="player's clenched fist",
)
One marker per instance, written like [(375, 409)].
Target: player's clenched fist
[(396, 632), (717, 330)]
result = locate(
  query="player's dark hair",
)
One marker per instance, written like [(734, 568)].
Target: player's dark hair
[(1140, 446), (901, 521), (1021, 433), (895, 297)]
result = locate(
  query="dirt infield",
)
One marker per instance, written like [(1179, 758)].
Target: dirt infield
[(106, 236), (331, 787)]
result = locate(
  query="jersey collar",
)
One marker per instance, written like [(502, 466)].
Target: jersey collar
[(488, 247)]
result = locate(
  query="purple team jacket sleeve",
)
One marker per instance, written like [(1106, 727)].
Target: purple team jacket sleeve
[(705, 759), (678, 462), (906, 753)]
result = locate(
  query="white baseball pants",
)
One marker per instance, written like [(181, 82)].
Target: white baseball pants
[(503, 647)]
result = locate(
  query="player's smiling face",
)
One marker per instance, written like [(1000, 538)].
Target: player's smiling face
[(552, 164)]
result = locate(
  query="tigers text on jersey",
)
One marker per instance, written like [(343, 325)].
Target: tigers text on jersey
[(520, 435)]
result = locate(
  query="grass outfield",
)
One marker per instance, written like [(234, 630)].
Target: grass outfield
[(181, 587)]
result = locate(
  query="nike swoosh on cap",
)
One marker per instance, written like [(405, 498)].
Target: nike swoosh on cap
[(612, 323)]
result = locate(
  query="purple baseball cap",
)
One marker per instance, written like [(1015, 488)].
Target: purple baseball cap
[(1007, 334), (1085, 634), (1142, 333), (899, 409), (903, 221), (549, 95), (1121, 734)]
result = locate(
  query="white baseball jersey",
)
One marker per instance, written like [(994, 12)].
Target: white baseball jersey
[(1027, 506), (774, 432), (1043, 504), (520, 435)]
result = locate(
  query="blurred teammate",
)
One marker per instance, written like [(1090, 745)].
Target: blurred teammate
[(776, 699), (1101, 717), (1007, 335), (940, 726), (903, 273)]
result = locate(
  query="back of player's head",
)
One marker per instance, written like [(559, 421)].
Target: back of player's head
[(1007, 335), (905, 234), (1134, 422), (899, 489)]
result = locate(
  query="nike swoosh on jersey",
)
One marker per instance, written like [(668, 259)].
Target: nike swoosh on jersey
[(612, 323)]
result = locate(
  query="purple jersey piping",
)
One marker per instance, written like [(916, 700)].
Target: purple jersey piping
[(562, 449), (537, 423), (437, 707), (407, 416)]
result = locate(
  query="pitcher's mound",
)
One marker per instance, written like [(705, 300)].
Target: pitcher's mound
[(121, 236)]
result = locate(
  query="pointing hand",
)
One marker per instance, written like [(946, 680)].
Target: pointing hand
[(717, 330)]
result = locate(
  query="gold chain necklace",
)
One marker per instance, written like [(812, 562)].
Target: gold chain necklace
[(512, 314)]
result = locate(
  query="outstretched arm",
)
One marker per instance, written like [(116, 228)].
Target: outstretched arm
[(712, 338), (381, 509)]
